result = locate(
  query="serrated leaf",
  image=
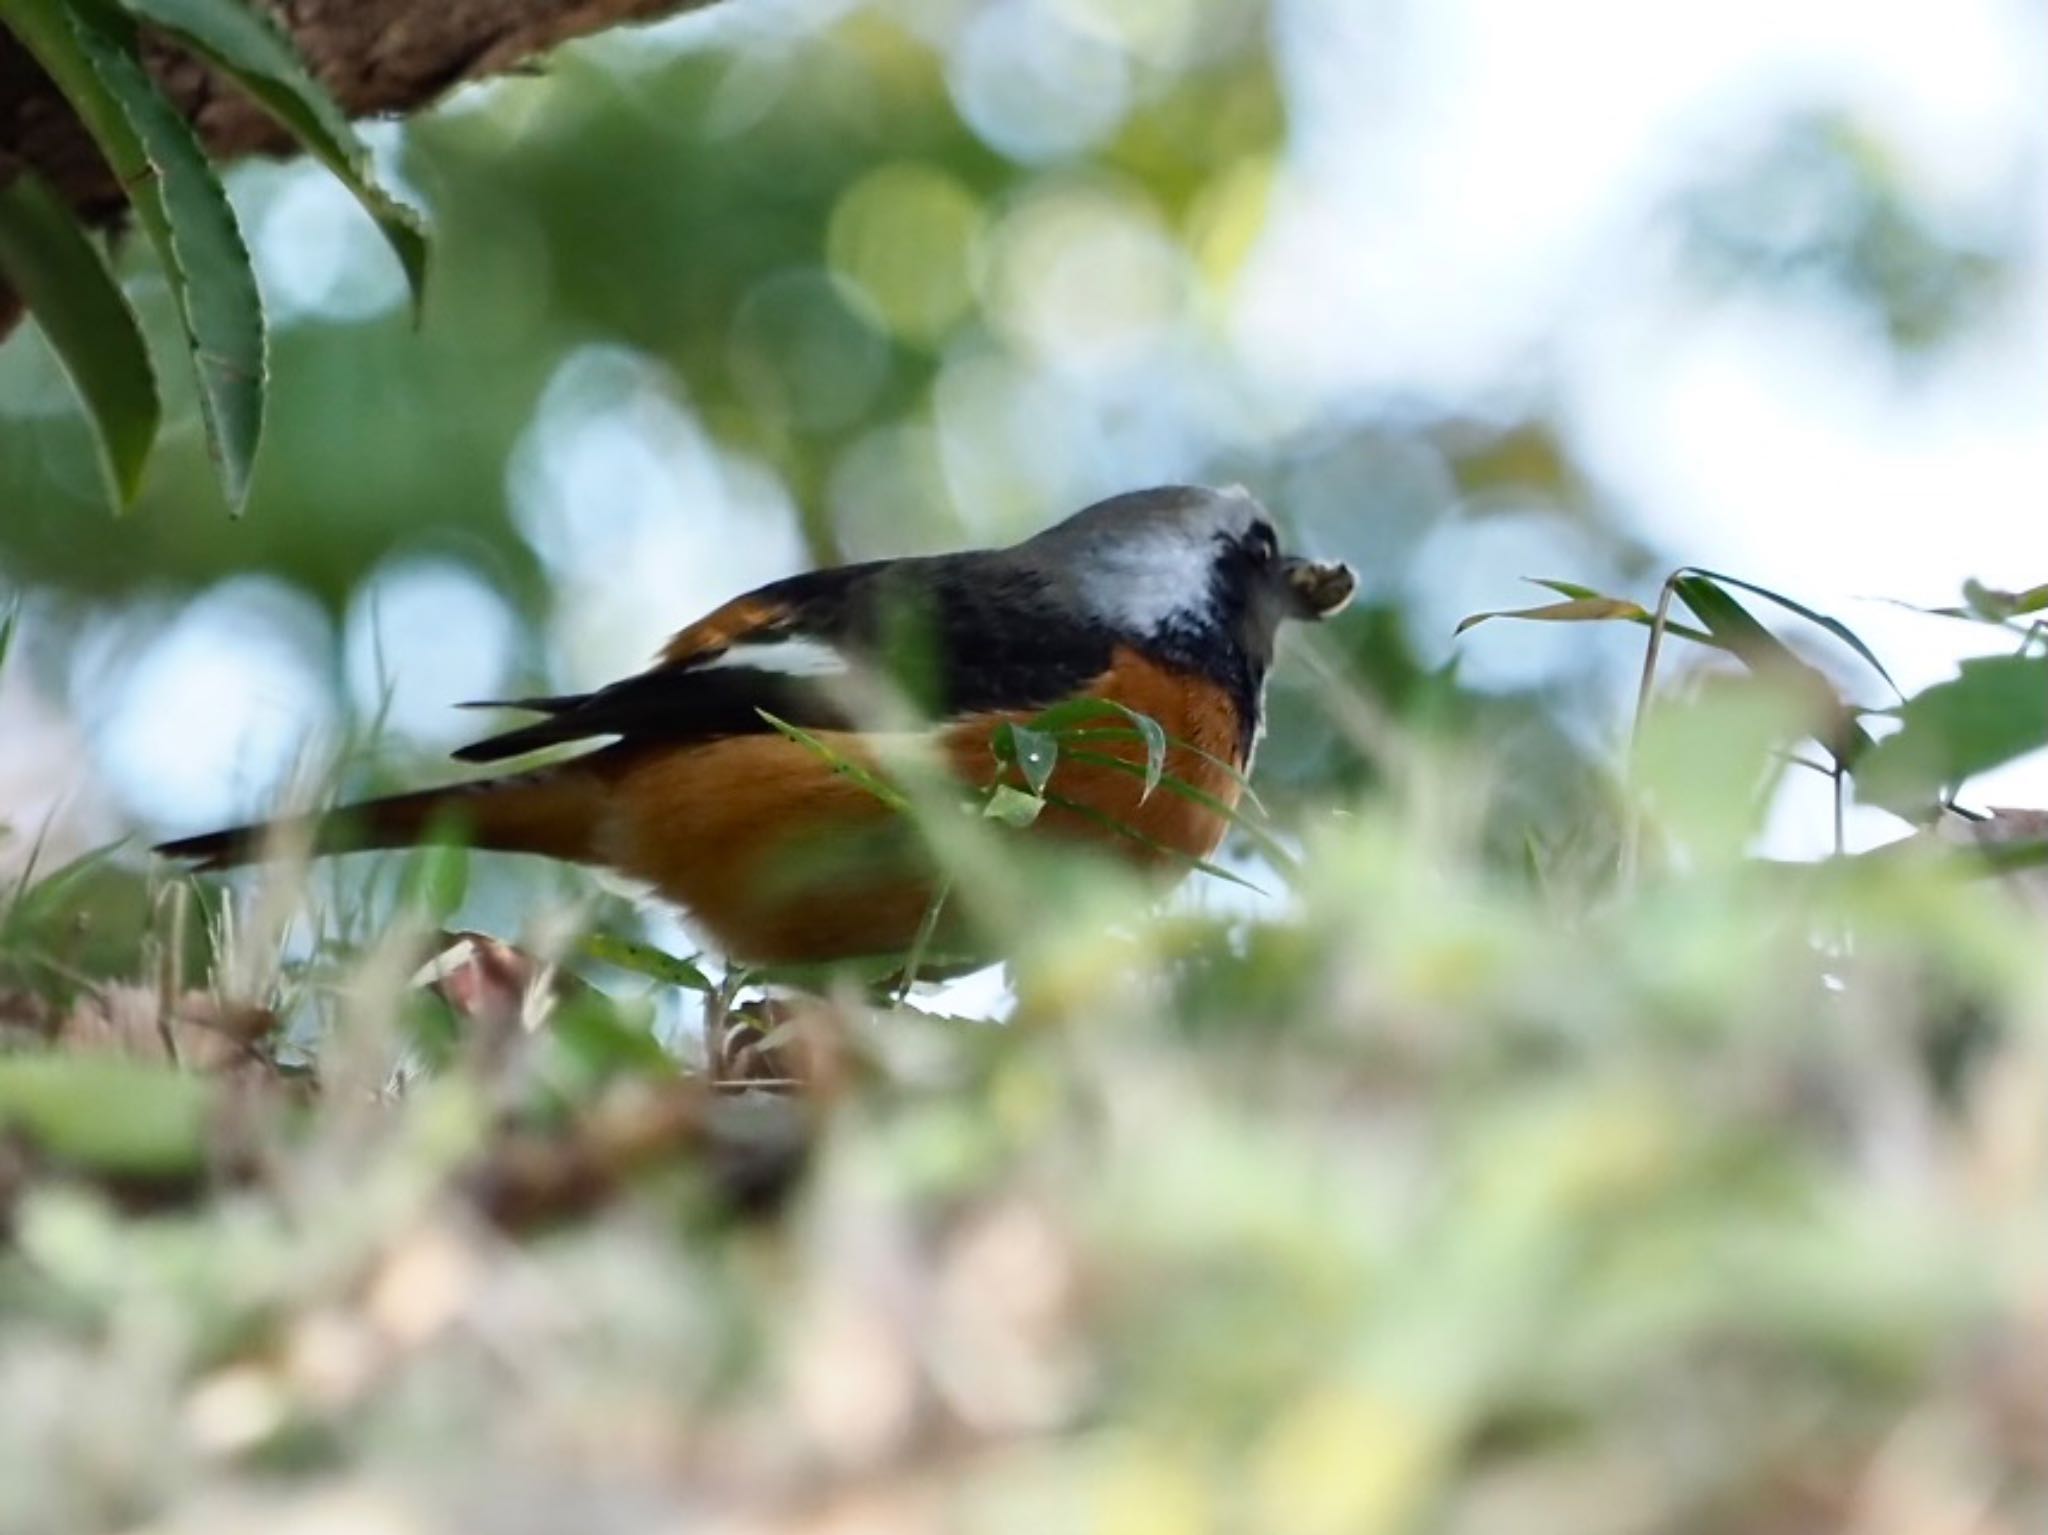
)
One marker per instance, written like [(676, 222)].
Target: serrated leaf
[(1035, 752), (645, 959), (54, 266), (1738, 631), (1013, 807), (88, 49), (247, 46), (1994, 710), (1575, 610)]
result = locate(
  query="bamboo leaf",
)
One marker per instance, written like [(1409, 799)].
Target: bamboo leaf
[(1738, 631), (1035, 752), (645, 959), (58, 271), (1574, 610), (1080, 710), (1834, 626), (247, 46)]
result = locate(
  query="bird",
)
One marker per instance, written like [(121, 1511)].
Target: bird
[(738, 775)]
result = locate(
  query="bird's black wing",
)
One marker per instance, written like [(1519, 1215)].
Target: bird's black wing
[(957, 635)]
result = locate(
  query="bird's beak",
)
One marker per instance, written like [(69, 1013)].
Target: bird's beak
[(1317, 590)]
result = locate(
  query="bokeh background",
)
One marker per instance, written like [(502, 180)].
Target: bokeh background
[(1467, 289)]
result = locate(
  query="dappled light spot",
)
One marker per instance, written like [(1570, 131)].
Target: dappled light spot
[(425, 633), (318, 254), (640, 519), (1086, 277), (208, 721), (1034, 86), (806, 350), (905, 234)]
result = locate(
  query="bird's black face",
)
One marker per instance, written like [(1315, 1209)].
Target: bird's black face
[(1261, 587)]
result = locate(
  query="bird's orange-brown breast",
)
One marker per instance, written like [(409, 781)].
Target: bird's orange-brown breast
[(786, 859)]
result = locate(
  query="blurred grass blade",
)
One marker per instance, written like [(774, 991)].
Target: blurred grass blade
[(88, 49), (645, 959), (1738, 631), (1268, 844), (244, 44), (107, 1114), (55, 267), (8, 624), (435, 879), (1131, 834), (887, 793), (1993, 710), (1834, 626)]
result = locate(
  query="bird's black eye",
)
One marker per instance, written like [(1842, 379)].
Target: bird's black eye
[(1263, 542)]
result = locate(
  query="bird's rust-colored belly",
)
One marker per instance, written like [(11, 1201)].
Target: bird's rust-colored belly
[(786, 860)]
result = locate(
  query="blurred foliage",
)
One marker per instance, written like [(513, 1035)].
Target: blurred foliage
[(1818, 209), (1442, 1198)]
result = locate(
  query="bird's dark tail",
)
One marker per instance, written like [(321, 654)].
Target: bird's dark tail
[(554, 811)]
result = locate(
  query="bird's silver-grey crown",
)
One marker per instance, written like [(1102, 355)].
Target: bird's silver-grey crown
[(1142, 560)]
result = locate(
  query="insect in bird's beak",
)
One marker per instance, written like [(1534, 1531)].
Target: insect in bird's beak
[(1319, 590)]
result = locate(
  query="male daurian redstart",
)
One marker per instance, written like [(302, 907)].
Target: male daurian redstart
[(1164, 601)]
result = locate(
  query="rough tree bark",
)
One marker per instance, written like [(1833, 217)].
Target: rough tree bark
[(377, 57)]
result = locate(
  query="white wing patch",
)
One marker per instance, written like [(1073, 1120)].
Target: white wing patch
[(790, 655)]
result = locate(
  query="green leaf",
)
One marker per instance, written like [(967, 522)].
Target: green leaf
[(1995, 606), (1575, 610), (243, 43), (1177, 743), (1994, 710), (107, 1113), (1033, 751), (1737, 631), (1834, 626), (7, 628), (88, 49), (1078, 711), (55, 267), (645, 959), (1013, 807)]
